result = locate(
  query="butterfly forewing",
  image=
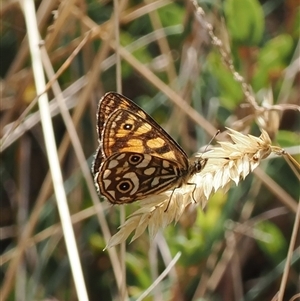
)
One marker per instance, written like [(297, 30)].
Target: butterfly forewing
[(108, 104), (113, 101), (126, 131)]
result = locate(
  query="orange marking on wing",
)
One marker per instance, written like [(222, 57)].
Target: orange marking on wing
[(170, 156), (156, 142)]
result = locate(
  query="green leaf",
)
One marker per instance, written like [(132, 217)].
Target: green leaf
[(136, 267), (273, 243), (287, 138), (171, 14), (97, 242), (272, 59), (231, 93), (245, 20)]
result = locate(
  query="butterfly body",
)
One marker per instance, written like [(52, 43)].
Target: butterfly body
[(136, 157)]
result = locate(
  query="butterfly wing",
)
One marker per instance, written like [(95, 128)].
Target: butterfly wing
[(129, 176), (136, 157), (113, 101), (108, 104), (126, 131)]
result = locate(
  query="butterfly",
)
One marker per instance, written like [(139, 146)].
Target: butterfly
[(136, 157)]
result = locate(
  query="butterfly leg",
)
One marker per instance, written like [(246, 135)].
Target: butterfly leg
[(193, 195), (170, 200)]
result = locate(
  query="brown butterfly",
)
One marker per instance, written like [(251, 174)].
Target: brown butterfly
[(136, 157)]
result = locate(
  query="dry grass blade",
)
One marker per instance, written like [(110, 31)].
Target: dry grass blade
[(160, 278)]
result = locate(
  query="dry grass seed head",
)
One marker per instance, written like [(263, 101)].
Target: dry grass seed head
[(231, 161)]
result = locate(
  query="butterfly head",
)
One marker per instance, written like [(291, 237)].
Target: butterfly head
[(197, 165)]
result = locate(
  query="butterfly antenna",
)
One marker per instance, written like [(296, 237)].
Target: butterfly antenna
[(212, 139)]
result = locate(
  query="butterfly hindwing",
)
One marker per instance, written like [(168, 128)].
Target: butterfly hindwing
[(129, 176)]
